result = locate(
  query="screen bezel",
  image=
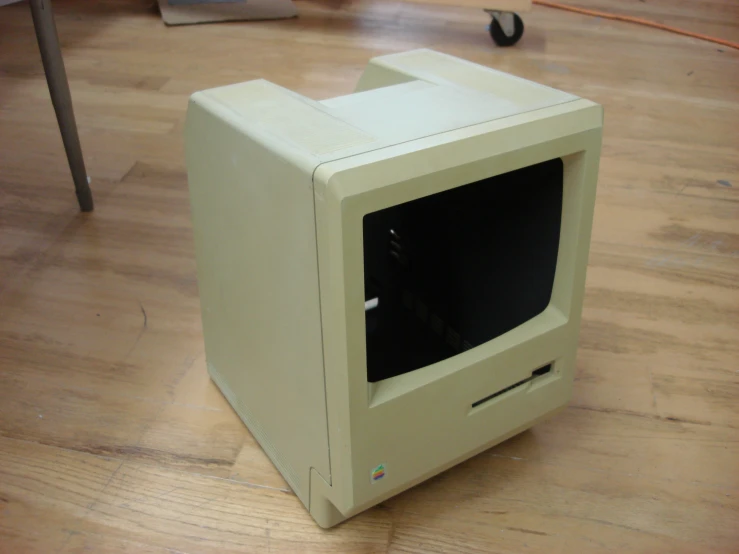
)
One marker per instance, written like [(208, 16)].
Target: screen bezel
[(514, 217), (556, 313)]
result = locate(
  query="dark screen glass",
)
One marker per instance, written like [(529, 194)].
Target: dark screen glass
[(456, 269)]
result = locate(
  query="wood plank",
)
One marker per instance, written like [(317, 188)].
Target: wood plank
[(89, 500), (49, 485), (583, 507), (499, 5), (655, 447)]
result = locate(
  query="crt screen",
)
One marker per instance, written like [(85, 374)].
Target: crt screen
[(448, 272)]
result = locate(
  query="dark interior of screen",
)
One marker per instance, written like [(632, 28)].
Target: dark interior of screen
[(458, 268)]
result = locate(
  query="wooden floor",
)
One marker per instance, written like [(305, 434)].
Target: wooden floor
[(112, 437)]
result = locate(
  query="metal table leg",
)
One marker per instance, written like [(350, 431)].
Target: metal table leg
[(56, 78)]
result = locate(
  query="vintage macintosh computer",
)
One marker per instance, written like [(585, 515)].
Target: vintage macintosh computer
[(391, 281)]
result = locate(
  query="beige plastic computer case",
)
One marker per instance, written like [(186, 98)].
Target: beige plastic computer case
[(279, 187)]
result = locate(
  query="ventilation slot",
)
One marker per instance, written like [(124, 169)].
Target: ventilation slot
[(534, 374)]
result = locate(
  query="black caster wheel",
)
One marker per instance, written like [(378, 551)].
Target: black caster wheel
[(506, 28)]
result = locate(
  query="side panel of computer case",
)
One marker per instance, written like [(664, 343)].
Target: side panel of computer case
[(255, 241)]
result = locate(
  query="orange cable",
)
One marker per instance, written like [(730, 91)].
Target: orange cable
[(637, 20)]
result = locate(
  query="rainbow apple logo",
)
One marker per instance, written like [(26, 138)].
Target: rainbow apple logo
[(378, 473)]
